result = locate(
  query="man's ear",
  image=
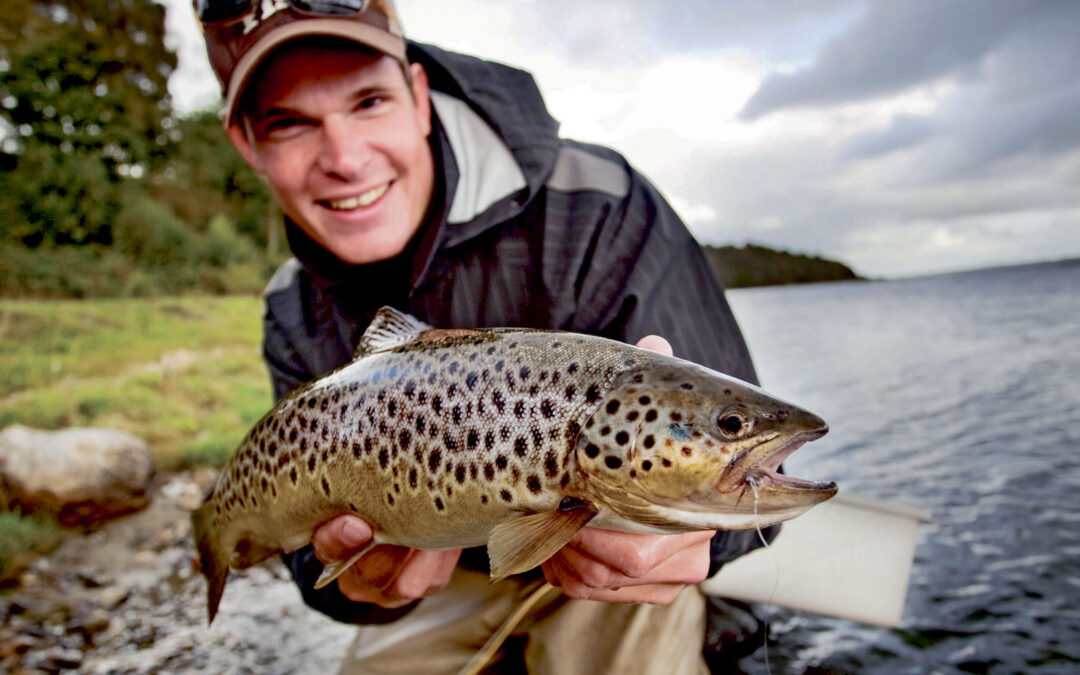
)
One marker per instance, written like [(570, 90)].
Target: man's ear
[(243, 142), (420, 97)]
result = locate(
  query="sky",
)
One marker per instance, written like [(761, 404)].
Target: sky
[(901, 138)]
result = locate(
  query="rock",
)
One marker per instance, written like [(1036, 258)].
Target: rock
[(81, 476)]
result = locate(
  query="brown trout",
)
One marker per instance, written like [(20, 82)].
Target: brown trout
[(514, 438)]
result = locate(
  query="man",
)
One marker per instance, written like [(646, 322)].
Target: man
[(436, 183)]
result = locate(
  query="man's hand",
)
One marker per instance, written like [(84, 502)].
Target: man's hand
[(388, 576), (624, 567)]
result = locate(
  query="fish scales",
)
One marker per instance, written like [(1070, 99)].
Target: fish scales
[(440, 437)]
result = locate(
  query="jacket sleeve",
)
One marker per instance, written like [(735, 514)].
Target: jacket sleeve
[(649, 276), (282, 318)]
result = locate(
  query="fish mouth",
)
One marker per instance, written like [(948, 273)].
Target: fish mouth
[(758, 468)]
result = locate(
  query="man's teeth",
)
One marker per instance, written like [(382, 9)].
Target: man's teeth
[(361, 200)]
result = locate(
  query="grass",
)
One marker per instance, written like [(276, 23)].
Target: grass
[(185, 374), (23, 537)]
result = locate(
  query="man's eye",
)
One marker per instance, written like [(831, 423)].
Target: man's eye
[(369, 102)]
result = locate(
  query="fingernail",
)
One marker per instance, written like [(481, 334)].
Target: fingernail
[(353, 534)]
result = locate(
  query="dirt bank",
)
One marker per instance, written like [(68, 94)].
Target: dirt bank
[(126, 599)]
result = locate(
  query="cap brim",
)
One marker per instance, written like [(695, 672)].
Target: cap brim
[(355, 31)]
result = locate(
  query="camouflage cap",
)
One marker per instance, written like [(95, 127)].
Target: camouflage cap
[(238, 45)]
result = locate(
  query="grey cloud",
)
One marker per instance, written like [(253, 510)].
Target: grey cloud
[(903, 133), (896, 45)]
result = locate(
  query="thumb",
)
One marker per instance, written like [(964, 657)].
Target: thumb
[(337, 538)]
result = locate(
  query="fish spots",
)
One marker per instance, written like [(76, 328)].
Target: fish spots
[(547, 408), (651, 414), (499, 401), (573, 368), (612, 462), (572, 430), (632, 415), (292, 475), (605, 430), (325, 486), (521, 446), (489, 471), (592, 451), (524, 372), (412, 477), (592, 395), (612, 406), (506, 496), (439, 503), (471, 379), (644, 400), (622, 438), (646, 465), (436, 404), (519, 409), (666, 462), (472, 439), (459, 474), (449, 442), (686, 451), (533, 483), (551, 465), (434, 460), (384, 458), (571, 390), (500, 462), (489, 440)]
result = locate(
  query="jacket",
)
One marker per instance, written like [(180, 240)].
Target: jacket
[(525, 229)]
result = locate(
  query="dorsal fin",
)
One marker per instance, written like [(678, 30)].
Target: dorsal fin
[(390, 328)]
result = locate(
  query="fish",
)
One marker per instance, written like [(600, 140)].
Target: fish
[(447, 438)]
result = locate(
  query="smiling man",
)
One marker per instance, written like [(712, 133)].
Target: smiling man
[(437, 183)]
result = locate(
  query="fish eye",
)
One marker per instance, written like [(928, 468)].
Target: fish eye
[(732, 423)]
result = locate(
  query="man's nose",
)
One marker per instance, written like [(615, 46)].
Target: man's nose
[(343, 151)]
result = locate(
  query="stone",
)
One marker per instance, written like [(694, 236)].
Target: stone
[(82, 476)]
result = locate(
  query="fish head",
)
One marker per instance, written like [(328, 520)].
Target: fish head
[(693, 446)]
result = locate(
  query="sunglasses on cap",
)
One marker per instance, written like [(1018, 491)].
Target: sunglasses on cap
[(218, 11)]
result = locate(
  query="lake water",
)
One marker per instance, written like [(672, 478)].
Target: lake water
[(959, 394)]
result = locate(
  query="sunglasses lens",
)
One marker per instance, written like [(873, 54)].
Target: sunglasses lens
[(210, 11), (329, 7)]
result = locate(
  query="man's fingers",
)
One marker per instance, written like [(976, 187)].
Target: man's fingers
[(338, 538), (656, 344)]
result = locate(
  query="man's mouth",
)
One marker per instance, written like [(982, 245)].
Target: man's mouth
[(359, 201)]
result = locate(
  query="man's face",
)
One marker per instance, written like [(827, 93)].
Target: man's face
[(342, 139)]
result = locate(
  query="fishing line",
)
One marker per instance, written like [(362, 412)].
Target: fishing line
[(752, 482), (483, 657)]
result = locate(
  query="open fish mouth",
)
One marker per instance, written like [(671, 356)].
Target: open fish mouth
[(759, 469)]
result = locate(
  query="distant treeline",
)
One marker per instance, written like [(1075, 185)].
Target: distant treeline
[(751, 265)]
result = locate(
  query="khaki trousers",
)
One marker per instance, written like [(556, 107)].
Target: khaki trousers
[(559, 636)]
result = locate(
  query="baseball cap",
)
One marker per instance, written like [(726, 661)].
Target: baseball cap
[(239, 34)]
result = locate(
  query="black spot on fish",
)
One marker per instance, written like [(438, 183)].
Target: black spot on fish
[(612, 462), (500, 462), (589, 423), (384, 458), (524, 373), (420, 422), (391, 408), (404, 438), (457, 414), (644, 400), (651, 415), (369, 444), (303, 444), (459, 473), (666, 462), (490, 351), (649, 441), (506, 496), (439, 504), (521, 446), (489, 440), (497, 399), (471, 378), (534, 390), (551, 465), (646, 465), (489, 471), (519, 409), (499, 365), (632, 415), (593, 394), (504, 433), (633, 473), (409, 389), (272, 449), (605, 430), (292, 475), (572, 430), (538, 438), (622, 438), (293, 433), (473, 470), (592, 451), (565, 480), (312, 402), (325, 486), (311, 463), (483, 499), (412, 477), (533, 483), (473, 439), (570, 391), (323, 405), (612, 406), (389, 499), (436, 403), (687, 451), (432, 377), (572, 368), (450, 442), (675, 417)]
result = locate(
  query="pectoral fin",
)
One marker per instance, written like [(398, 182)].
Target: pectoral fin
[(333, 570), (522, 543)]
